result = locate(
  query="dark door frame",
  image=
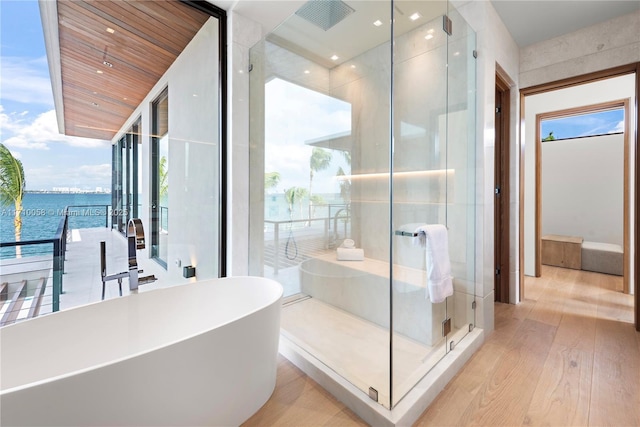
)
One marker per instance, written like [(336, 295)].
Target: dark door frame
[(502, 191), (574, 81)]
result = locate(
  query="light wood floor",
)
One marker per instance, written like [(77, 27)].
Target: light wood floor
[(568, 355)]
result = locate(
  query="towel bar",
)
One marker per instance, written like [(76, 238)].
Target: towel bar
[(406, 233)]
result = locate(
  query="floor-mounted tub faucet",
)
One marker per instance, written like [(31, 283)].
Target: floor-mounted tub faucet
[(135, 241)]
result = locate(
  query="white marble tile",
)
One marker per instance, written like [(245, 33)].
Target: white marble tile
[(582, 65), (592, 42), (244, 31), (422, 391), (238, 161), (485, 313)]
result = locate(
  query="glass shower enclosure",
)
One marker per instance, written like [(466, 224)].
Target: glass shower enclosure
[(362, 132)]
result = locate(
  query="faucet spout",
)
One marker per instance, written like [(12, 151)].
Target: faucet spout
[(133, 263), (135, 241)]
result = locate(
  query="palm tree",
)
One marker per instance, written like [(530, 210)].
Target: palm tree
[(271, 180), (12, 189), (163, 171), (345, 185), (320, 160), (293, 195)]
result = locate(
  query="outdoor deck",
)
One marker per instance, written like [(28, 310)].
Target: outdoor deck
[(82, 280)]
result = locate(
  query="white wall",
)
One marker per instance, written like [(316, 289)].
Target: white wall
[(496, 48), (193, 157), (593, 93), (242, 34), (582, 188)]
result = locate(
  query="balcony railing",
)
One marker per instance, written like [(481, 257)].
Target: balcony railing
[(298, 239), (33, 284)]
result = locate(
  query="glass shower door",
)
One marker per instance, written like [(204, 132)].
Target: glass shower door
[(461, 113), (419, 190), (320, 95), (432, 185)]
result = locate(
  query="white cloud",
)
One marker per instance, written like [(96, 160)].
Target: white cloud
[(40, 133), (293, 116), (83, 176), (25, 80), (619, 127)]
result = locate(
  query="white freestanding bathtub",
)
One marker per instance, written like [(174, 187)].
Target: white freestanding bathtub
[(198, 354)]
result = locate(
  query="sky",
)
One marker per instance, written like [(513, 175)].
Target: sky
[(584, 125), (294, 116), (28, 125)]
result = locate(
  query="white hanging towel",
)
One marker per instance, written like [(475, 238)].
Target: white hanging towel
[(434, 238)]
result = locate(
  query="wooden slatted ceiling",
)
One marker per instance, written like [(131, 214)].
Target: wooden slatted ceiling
[(148, 36)]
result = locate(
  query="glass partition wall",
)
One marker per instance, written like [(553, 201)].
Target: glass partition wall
[(362, 131)]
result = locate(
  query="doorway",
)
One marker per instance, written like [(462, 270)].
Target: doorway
[(586, 191), (527, 194)]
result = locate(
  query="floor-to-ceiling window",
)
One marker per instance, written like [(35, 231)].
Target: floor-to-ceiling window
[(126, 179), (160, 178)]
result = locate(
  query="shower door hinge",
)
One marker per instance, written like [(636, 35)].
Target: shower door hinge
[(498, 271), (473, 305), (475, 54), (446, 327), (250, 67), (497, 191), (498, 110), (373, 393), (447, 25)]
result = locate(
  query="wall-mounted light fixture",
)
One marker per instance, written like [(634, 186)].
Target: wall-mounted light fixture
[(189, 271)]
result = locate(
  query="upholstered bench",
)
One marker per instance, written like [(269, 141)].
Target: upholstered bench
[(602, 258)]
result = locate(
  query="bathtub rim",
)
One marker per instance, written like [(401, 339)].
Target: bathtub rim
[(133, 355)]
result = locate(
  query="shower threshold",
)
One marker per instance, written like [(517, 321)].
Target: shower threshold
[(410, 407)]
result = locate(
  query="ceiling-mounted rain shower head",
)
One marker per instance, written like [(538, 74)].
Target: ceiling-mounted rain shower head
[(325, 13)]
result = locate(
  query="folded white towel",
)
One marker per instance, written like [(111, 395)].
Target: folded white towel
[(435, 240), (350, 254), (348, 243)]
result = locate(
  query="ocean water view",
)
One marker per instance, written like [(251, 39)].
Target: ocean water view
[(41, 217)]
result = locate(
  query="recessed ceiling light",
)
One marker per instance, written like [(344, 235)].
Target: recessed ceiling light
[(94, 104), (99, 71), (414, 16), (307, 71), (107, 63), (377, 23), (431, 31), (334, 57), (428, 36), (353, 66), (456, 53), (110, 30)]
